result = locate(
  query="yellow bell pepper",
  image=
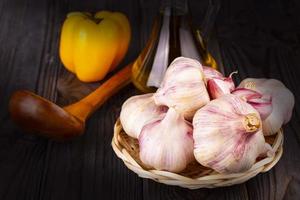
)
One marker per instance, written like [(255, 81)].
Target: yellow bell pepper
[(90, 47)]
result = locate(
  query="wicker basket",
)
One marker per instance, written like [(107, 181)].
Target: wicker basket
[(195, 175)]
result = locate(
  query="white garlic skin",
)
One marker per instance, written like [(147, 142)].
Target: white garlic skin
[(222, 140), (183, 87), (138, 111), (167, 144), (282, 102)]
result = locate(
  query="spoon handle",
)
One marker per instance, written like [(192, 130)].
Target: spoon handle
[(86, 106)]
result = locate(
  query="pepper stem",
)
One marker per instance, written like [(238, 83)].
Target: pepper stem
[(251, 122)]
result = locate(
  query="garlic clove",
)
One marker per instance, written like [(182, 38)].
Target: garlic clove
[(263, 104), (138, 111), (282, 102), (246, 94), (217, 83), (228, 135), (218, 87), (183, 87), (167, 144)]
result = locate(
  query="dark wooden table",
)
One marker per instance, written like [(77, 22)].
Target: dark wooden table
[(258, 38)]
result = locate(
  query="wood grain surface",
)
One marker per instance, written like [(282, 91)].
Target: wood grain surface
[(257, 38)]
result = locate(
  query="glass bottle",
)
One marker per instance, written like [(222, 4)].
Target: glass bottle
[(172, 36)]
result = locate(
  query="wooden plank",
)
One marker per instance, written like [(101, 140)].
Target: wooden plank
[(21, 36)]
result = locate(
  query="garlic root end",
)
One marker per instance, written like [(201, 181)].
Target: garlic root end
[(251, 123)]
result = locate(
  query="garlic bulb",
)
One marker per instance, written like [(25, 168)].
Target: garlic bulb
[(183, 87), (138, 111), (282, 102), (167, 144), (228, 135), (217, 83)]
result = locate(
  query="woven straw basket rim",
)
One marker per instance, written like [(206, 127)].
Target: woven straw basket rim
[(194, 176)]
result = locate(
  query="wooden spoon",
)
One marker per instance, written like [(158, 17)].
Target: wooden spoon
[(43, 117)]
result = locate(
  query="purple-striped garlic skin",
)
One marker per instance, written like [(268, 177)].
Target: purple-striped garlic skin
[(138, 111), (183, 87), (228, 135), (167, 144), (217, 83), (262, 103), (282, 102)]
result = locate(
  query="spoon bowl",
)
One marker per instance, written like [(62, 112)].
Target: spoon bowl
[(36, 114)]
